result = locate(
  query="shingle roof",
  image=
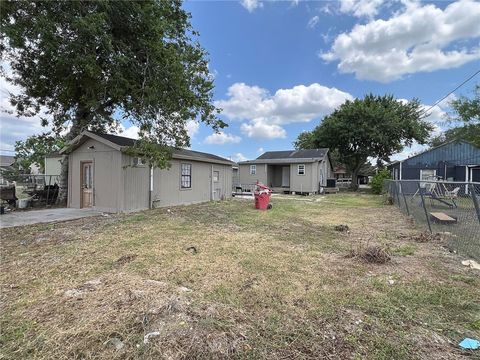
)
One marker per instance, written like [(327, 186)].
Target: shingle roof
[(124, 141), (293, 154), (6, 160), (119, 140)]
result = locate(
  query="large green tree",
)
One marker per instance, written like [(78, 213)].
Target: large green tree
[(33, 150), (88, 64), (372, 127), (465, 117)]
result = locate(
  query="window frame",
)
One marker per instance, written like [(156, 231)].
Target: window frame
[(253, 169), (182, 176), (216, 174), (137, 161), (304, 170)]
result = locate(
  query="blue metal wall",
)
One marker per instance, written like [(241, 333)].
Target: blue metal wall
[(448, 160)]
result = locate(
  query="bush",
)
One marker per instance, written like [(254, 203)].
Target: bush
[(377, 182)]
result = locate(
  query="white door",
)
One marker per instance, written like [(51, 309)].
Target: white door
[(286, 176)]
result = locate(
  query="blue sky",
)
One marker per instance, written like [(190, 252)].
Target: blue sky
[(281, 66)]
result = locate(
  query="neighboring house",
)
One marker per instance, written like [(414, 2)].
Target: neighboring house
[(343, 176), (299, 171), (235, 176), (6, 164), (452, 161), (53, 164), (101, 175)]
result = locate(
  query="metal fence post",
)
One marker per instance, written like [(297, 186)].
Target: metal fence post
[(404, 198), (398, 196), (424, 207), (475, 201)]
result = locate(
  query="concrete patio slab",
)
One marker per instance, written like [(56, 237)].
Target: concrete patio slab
[(21, 218)]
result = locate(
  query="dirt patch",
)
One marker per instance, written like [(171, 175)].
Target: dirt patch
[(125, 259), (341, 228), (371, 254)]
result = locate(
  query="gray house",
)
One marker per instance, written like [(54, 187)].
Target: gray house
[(6, 164), (292, 171), (102, 176), (453, 161)]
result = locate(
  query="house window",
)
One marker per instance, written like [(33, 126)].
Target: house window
[(253, 169), (138, 161), (186, 177), (301, 169), (216, 176)]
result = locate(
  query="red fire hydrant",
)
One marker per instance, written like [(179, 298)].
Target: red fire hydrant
[(262, 196)]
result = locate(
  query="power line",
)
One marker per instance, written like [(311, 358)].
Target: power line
[(451, 92)]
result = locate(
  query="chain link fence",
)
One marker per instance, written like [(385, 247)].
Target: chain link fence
[(451, 208)]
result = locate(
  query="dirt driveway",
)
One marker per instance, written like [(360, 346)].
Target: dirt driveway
[(20, 218)]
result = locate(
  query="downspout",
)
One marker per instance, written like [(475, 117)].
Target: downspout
[(212, 197), (401, 162), (150, 183)]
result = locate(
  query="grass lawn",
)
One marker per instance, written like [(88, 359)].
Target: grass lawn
[(277, 284)]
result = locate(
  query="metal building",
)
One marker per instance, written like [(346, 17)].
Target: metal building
[(452, 161)]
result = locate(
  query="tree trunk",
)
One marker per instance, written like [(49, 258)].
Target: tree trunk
[(354, 183), (75, 130), (63, 182), (356, 169)]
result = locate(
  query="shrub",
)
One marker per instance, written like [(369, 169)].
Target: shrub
[(377, 182)]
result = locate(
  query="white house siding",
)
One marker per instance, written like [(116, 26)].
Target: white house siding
[(53, 165), (108, 194)]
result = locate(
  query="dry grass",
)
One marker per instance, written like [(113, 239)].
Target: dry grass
[(222, 280)]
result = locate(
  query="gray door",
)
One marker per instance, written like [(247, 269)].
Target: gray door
[(286, 176)]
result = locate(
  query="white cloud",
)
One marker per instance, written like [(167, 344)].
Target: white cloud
[(298, 104), (261, 129), (130, 132), (251, 5), (420, 38), (266, 113), (260, 150), (361, 8), (313, 22), (192, 128), (239, 157), (221, 138)]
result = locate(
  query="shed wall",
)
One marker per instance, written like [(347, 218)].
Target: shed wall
[(136, 185), (168, 192), (106, 162)]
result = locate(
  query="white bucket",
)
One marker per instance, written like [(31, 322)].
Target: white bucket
[(23, 203)]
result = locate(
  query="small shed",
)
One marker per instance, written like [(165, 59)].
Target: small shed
[(102, 176)]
